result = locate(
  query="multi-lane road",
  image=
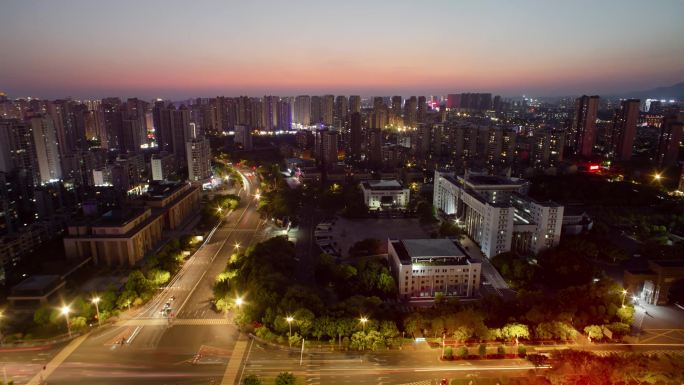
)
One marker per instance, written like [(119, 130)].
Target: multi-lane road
[(192, 347), (201, 346)]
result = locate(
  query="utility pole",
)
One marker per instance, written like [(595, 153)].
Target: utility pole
[(301, 355)]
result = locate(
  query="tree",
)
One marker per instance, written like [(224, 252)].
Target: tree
[(294, 340), (78, 323), (251, 380), (626, 314), (426, 212), (158, 277), (448, 353), (42, 315), (513, 331), (595, 332), (463, 352), (304, 319), (359, 341), (368, 246), (285, 378), (501, 350), (448, 229), (482, 350), (126, 299), (522, 350)]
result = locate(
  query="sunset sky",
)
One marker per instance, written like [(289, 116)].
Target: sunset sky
[(179, 49)]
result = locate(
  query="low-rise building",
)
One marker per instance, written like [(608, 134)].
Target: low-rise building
[(124, 236), (175, 201), (119, 237), (385, 195), (35, 291), (425, 268), (653, 283)]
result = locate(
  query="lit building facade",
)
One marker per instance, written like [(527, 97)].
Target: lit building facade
[(425, 268), (496, 213), (383, 195), (199, 159)]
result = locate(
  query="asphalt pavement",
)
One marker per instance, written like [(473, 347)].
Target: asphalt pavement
[(192, 347)]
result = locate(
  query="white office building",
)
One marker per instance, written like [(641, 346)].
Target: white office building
[(497, 214), (424, 268), (382, 195)]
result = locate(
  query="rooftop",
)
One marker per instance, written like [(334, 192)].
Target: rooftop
[(432, 248), (669, 262), (382, 184), (162, 190), (492, 180), (36, 285), (431, 252), (118, 217)]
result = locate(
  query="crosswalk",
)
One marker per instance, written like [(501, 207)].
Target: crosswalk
[(165, 321)]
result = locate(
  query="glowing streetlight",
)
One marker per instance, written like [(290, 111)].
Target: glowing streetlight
[(65, 312), (289, 320), (257, 196), (95, 301), (657, 176), (237, 246), (239, 301), (219, 210), (363, 321)]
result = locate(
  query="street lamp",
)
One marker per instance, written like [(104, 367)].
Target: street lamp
[(657, 176), (363, 321), (219, 210), (289, 320), (95, 301), (239, 301), (65, 312), (257, 196), (624, 293)]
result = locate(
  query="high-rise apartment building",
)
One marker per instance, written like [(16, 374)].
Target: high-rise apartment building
[(623, 130), (327, 148), (354, 104), (583, 130), (302, 110), (379, 118), (341, 110), (316, 110), (671, 135), (421, 109), (243, 137), (356, 135), (328, 109), (162, 166), (411, 112), (396, 105), (199, 159), (547, 148), (270, 111), (46, 149), (285, 113)]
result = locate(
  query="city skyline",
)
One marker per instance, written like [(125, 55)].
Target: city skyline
[(214, 48)]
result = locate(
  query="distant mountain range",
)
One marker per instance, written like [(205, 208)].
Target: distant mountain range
[(675, 92)]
